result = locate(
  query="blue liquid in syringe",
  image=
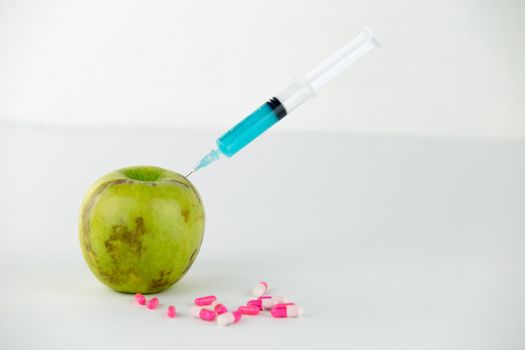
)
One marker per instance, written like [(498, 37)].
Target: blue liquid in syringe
[(251, 127), (245, 131)]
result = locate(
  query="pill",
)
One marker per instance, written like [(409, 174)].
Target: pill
[(220, 309), (171, 311), (267, 302), (249, 310), (260, 289), (207, 315), (255, 303), (228, 318), (140, 299), (153, 303), (203, 313), (282, 305), (195, 310), (203, 301), (286, 310)]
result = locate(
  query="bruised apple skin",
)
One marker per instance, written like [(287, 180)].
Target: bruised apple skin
[(141, 228)]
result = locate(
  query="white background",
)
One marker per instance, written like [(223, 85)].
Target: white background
[(387, 243), (391, 207), (446, 67)]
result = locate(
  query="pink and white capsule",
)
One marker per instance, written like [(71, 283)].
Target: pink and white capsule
[(152, 304), (260, 289), (195, 311), (286, 310), (267, 302), (203, 313), (140, 299), (249, 310), (171, 311), (204, 301), (228, 318)]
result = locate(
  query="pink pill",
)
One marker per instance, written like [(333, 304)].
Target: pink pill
[(207, 315), (171, 311), (203, 301), (228, 318), (267, 302), (282, 305), (220, 309), (203, 313), (140, 299), (249, 310), (260, 289), (153, 303), (286, 311), (255, 303)]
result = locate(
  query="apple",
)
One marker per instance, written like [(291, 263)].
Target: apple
[(141, 228)]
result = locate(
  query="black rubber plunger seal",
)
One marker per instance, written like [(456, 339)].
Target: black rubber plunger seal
[(277, 108)]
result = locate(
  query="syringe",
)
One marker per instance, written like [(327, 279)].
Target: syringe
[(284, 103)]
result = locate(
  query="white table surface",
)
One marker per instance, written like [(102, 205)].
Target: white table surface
[(387, 242)]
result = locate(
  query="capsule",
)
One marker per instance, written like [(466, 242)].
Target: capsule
[(152, 304), (260, 289), (267, 302), (171, 311), (207, 315), (228, 318), (220, 309), (140, 299), (204, 301), (249, 310), (282, 305), (203, 313), (286, 310), (255, 303), (195, 311)]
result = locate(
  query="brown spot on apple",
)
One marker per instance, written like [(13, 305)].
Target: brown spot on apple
[(122, 236), (162, 282), (185, 214), (87, 211)]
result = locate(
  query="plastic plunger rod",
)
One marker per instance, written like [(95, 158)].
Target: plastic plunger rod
[(305, 87)]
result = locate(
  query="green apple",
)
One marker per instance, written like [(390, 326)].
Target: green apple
[(141, 228)]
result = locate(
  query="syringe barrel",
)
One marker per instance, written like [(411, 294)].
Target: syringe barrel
[(251, 127), (305, 87), (342, 59), (297, 93)]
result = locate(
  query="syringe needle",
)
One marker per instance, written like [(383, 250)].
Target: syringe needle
[(191, 172)]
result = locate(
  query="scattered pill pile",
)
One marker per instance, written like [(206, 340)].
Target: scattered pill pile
[(207, 308)]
